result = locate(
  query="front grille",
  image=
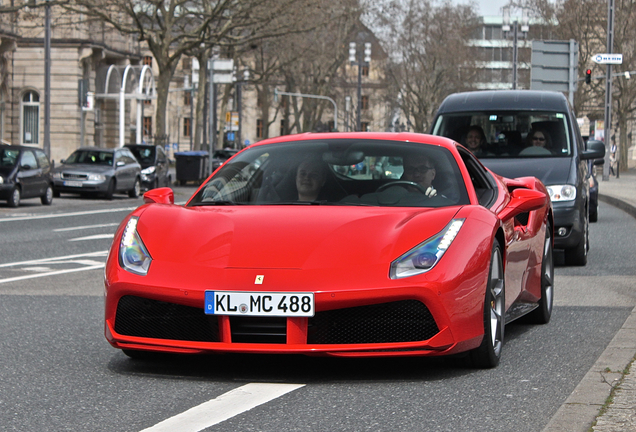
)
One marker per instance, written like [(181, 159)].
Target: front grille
[(69, 176), (401, 321), (271, 330), (137, 316)]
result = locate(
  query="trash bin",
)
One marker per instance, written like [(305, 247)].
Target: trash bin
[(191, 166)]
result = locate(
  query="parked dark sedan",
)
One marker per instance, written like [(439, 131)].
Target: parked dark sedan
[(155, 166), (92, 170), (530, 133), (25, 172)]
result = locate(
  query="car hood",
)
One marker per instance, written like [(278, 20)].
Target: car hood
[(83, 168), (551, 171), (286, 237)]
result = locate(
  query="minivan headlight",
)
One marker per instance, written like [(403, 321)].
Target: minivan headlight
[(562, 193), (424, 256), (133, 255)]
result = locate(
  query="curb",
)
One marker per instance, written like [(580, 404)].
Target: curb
[(589, 406)]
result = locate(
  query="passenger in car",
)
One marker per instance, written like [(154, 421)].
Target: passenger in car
[(539, 143), (539, 138), (310, 178), (474, 140), (421, 170)]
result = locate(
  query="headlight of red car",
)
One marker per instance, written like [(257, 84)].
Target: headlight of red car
[(133, 255), (424, 256)]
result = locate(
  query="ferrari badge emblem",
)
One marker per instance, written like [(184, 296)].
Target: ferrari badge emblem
[(259, 279)]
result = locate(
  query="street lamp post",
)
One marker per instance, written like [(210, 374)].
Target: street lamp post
[(360, 62), (47, 79), (239, 105), (515, 35)]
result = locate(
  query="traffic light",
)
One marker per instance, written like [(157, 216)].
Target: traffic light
[(588, 76)]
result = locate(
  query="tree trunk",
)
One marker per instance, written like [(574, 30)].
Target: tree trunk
[(163, 86), (200, 122)]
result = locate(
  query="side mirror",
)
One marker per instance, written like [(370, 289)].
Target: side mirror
[(594, 150), (162, 195), (523, 201)]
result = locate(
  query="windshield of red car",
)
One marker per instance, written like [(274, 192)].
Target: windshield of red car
[(338, 172)]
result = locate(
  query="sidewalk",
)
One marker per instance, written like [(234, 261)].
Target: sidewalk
[(611, 374)]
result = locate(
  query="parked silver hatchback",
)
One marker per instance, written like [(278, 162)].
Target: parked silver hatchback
[(105, 171)]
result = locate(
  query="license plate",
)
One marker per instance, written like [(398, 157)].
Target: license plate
[(72, 183), (259, 303)]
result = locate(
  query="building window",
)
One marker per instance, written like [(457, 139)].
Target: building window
[(187, 122), (364, 102), (187, 98), (30, 122), (364, 126), (147, 126), (259, 128), (365, 71), (147, 61)]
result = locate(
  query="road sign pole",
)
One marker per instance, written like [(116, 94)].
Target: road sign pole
[(608, 89)]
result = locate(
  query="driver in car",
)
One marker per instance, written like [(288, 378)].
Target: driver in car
[(420, 169)]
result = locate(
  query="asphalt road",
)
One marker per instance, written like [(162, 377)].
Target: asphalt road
[(59, 373)]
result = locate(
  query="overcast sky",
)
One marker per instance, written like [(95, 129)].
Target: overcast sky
[(486, 7)]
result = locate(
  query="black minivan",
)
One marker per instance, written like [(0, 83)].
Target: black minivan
[(530, 133)]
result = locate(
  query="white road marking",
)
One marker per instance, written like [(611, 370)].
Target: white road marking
[(85, 227), (58, 215), (37, 275), (38, 265), (56, 259), (93, 237), (224, 407)]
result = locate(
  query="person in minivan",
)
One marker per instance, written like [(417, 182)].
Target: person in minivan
[(474, 140), (538, 143)]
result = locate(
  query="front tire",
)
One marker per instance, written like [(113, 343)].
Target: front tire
[(543, 313), (47, 198), (136, 190), (14, 198), (577, 256), (488, 354), (111, 190)]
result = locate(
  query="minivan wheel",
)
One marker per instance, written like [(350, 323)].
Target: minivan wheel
[(577, 256), (14, 198)]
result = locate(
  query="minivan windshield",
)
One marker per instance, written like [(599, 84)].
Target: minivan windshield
[(508, 134)]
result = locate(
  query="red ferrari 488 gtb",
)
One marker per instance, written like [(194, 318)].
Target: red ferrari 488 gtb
[(340, 244)]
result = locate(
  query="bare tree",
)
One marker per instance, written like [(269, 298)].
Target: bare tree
[(172, 28), (300, 63), (430, 54), (586, 22)]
